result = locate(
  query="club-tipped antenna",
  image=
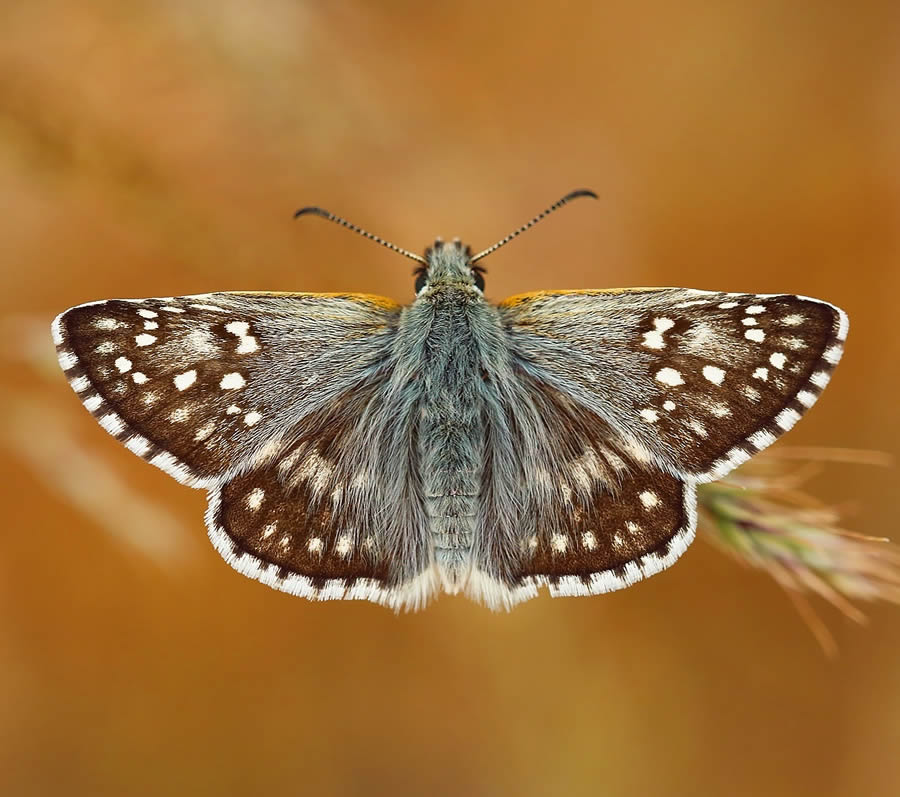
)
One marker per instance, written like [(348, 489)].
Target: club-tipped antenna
[(344, 223), (555, 206)]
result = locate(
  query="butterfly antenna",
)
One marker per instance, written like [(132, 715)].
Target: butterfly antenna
[(344, 223), (555, 206)]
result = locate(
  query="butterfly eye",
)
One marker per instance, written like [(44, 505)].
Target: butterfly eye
[(479, 278), (421, 279)]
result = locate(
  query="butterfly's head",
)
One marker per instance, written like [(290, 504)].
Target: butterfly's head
[(448, 265)]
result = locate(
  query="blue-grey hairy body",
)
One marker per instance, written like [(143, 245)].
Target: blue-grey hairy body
[(353, 448)]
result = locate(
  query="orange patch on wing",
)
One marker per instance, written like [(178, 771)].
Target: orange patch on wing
[(365, 298), (532, 296)]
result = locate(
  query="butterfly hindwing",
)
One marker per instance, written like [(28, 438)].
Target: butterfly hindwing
[(611, 538), (196, 384), (700, 380), (309, 514), (594, 512)]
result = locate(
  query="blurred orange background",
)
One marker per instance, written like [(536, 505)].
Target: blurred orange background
[(157, 149)]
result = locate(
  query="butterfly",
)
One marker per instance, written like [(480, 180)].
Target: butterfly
[(354, 448)]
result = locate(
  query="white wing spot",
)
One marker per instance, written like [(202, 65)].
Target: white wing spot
[(636, 451), (139, 378), (649, 499), (778, 360), (654, 338), (559, 543), (532, 542), (80, 384), (316, 469), (108, 323), (107, 347), (649, 415), (713, 374), (698, 428), (699, 336), (287, 464), (315, 545), (756, 335), (617, 540), (123, 364), (668, 406), (633, 528), (171, 309), (793, 320), (151, 325), (269, 530), (588, 540), (232, 381), (149, 398), (201, 341), (343, 545), (669, 376), (145, 339), (755, 309), (238, 328), (147, 314), (234, 409), (749, 322), (796, 344), (246, 343), (185, 380), (180, 414), (750, 392), (719, 409), (208, 307), (761, 373), (205, 431), (93, 402), (255, 498), (252, 418), (727, 305)]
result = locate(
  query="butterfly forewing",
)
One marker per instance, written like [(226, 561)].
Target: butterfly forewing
[(196, 384), (700, 380)]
